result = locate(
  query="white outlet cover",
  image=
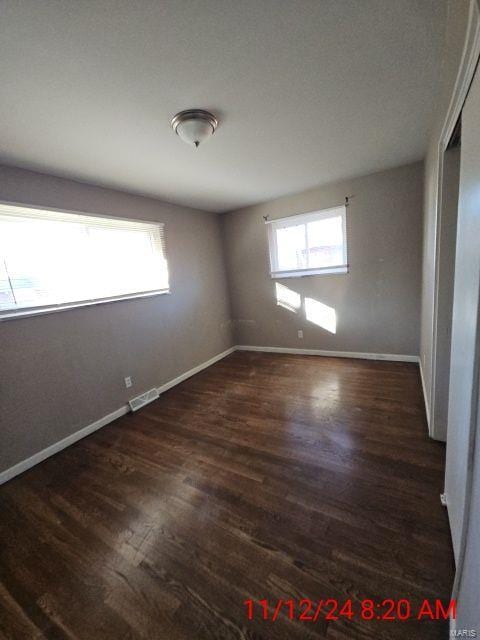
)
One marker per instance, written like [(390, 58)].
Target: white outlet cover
[(300, 333), (128, 382)]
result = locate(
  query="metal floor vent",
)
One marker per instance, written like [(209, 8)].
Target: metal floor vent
[(143, 399)]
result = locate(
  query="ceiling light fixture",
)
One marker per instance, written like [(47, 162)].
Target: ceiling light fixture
[(194, 126)]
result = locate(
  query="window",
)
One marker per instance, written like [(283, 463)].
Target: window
[(51, 260), (308, 244)]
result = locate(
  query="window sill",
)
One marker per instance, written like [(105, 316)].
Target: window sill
[(12, 314), (301, 273)]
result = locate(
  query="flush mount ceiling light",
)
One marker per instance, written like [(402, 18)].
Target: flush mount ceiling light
[(194, 126)]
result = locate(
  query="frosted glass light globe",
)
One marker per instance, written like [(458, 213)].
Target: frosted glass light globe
[(194, 126)]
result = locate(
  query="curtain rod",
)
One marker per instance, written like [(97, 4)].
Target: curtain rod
[(335, 206)]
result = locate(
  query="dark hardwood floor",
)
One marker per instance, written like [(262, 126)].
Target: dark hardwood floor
[(264, 477)]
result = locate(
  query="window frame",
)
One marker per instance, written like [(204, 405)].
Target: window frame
[(38, 310), (305, 218)]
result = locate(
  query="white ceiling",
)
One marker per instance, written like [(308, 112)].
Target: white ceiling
[(307, 91)]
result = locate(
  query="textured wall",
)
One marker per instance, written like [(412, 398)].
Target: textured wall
[(377, 303), (62, 371)]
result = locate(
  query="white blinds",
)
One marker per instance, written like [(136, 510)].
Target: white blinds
[(50, 258)]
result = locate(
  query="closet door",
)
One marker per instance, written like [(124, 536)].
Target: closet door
[(463, 393)]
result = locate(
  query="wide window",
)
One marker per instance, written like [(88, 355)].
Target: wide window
[(51, 259), (308, 244)]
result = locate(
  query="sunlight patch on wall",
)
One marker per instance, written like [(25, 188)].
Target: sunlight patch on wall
[(321, 314), (287, 298)]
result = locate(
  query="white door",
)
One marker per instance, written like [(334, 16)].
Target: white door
[(463, 393)]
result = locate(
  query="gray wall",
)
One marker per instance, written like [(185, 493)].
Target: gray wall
[(457, 20), (60, 372), (377, 302)]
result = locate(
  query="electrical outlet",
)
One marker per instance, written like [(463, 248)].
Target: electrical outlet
[(300, 334), (128, 382)]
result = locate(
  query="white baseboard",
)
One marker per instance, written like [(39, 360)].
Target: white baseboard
[(197, 369), (22, 466), (425, 396), (26, 464), (394, 357)]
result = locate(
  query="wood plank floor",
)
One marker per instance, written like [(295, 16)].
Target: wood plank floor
[(265, 476)]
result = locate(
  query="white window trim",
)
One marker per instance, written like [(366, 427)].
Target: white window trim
[(304, 218), (301, 273), (26, 312)]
